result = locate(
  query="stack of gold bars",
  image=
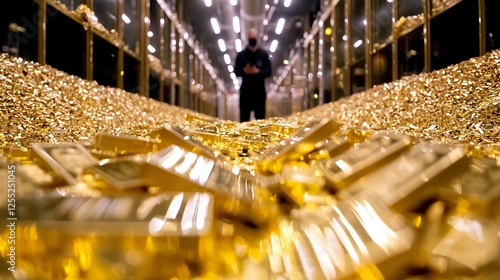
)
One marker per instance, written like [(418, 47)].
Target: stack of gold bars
[(399, 182)]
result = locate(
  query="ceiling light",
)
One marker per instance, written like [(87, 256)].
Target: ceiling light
[(280, 25), (344, 37), (208, 3), (358, 43), (150, 34), (389, 1), (285, 61), (234, 2), (235, 82), (230, 68), (236, 24), (239, 46), (222, 45), (147, 20), (125, 19), (233, 76), (287, 3), (274, 46), (365, 22), (266, 6), (265, 22), (227, 59), (215, 25), (276, 2), (265, 38), (151, 49)]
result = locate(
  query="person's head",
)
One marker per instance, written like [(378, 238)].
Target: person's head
[(252, 38)]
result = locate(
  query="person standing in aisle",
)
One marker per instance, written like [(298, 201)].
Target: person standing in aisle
[(253, 66)]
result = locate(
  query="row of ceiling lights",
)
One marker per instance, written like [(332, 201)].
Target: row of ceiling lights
[(237, 29)]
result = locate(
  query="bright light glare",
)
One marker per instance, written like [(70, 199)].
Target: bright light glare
[(150, 34), (222, 45), (280, 25), (287, 3), (230, 68), (233, 76), (227, 59), (236, 24), (126, 19), (274, 46), (215, 25), (239, 46), (208, 3), (151, 49), (234, 2), (358, 43)]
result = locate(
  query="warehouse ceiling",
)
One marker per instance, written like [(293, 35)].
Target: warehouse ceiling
[(264, 15)]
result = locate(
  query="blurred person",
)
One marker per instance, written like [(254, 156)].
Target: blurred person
[(253, 66)]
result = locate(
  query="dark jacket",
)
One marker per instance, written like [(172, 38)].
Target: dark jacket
[(253, 84)]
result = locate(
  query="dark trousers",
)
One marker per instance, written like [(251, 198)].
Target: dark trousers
[(249, 104)]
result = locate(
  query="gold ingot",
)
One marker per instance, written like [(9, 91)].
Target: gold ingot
[(126, 145), (478, 187), (412, 178), (66, 161), (172, 223), (195, 118), (174, 135), (355, 136), (328, 148), (302, 143), (20, 154), (351, 237), (207, 137), (372, 154), (119, 175), (236, 196)]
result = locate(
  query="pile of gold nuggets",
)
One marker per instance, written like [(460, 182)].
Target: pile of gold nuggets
[(401, 181)]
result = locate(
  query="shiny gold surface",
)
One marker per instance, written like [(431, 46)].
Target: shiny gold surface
[(397, 182)]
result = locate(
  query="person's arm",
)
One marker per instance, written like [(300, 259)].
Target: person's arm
[(266, 69), (239, 66)]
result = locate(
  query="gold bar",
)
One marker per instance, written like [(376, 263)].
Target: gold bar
[(120, 175), (236, 195), (410, 180), (470, 245), (169, 224), (477, 189), (356, 237), (328, 148), (372, 154), (300, 144), (20, 154), (126, 145), (67, 160), (35, 179), (174, 135)]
